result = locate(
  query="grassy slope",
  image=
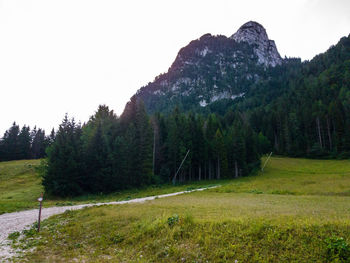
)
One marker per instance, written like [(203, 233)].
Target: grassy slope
[(20, 186), (287, 214), (293, 176)]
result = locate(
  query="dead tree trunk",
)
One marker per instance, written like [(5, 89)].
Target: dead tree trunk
[(276, 145), (329, 135), (218, 169), (236, 169), (209, 170), (200, 172), (319, 131)]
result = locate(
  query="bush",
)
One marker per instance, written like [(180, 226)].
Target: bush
[(173, 220), (337, 250)]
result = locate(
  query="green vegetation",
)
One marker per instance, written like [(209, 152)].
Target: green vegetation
[(290, 176), (24, 144), (244, 220), (20, 186), (109, 154), (302, 108), (298, 109)]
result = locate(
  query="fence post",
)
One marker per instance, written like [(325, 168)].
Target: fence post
[(40, 199)]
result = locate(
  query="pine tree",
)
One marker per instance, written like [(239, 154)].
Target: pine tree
[(65, 173), (11, 144), (24, 143), (38, 144)]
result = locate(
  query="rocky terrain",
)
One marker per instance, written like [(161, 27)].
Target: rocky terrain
[(255, 34), (211, 69)]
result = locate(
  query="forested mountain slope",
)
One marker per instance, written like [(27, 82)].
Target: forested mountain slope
[(301, 107), (304, 109)]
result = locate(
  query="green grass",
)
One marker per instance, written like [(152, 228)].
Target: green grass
[(276, 216), (293, 176), (20, 187)]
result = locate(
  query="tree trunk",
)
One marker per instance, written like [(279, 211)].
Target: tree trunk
[(200, 172), (319, 131), (276, 146), (154, 150), (329, 135), (236, 169), (209, 170), (218, 170)]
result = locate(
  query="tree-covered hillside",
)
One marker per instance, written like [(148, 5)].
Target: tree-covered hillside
[(303, 109)]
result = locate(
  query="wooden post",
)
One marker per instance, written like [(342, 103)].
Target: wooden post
[(40, 199)]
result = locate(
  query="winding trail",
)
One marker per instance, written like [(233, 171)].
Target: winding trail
[(18, 221)]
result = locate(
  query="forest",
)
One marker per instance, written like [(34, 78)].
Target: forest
[(303, 109), (109, 153), (24, 143)]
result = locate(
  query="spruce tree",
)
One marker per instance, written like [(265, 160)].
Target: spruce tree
[(24, 143), (65, 172)]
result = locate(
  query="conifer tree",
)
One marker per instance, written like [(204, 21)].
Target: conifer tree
[(24, 143), (65, 172)]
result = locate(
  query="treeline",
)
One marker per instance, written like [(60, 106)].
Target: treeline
[(110, 153), (24, 143)]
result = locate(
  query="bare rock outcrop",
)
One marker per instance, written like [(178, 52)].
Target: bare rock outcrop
[(255, 34)]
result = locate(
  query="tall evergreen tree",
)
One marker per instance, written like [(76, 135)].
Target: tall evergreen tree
[(65, 170), (24, 143)]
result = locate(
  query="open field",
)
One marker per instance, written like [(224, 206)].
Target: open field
[(19, 185), (296, 211), (292, 176)]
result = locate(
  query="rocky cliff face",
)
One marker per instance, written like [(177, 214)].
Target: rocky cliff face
[(213, 68), (255, 34)]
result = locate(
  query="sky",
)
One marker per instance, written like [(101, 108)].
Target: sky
[(69, 56)]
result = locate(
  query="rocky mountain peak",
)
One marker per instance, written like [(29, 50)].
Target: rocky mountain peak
[(255, 34), (213, 69)]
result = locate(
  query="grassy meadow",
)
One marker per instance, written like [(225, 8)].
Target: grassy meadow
[(20, 185), (297, 210)]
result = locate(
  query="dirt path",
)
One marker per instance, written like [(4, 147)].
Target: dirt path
[(18, 221)]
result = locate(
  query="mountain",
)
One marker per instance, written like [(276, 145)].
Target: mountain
[(300, 108), (255, 34), (212, 69)]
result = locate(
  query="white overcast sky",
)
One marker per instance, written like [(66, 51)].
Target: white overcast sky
[(72, 55)]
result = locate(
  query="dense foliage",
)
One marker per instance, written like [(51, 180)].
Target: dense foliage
[(110, 153), (19, 144), (303, 109)]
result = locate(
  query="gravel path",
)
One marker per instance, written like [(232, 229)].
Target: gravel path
[(18, 221)]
